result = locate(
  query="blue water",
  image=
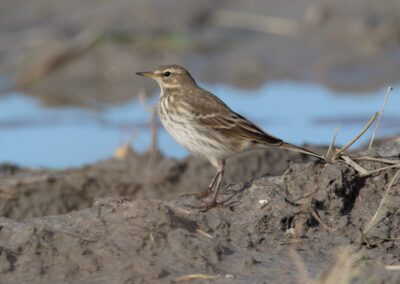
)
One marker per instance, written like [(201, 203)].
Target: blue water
[(32, 135)]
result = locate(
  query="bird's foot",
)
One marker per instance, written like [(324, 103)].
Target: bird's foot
[(198, 194), (206, 207)]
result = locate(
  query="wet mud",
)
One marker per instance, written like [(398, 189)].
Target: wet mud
[(287, 219)]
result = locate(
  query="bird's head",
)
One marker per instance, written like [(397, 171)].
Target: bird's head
[(170, 76)]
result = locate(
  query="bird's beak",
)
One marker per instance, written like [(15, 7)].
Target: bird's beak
[(147, 74)]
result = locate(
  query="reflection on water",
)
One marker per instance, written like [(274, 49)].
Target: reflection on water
[(296, 112)]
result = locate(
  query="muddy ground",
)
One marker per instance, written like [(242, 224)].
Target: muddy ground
[(122, 221)]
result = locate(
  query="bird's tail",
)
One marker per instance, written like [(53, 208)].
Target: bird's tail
[(301, 150)]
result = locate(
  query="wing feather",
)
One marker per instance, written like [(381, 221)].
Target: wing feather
[(211, 113)]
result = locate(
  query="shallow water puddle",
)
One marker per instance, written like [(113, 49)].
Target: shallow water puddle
[(32, 135)]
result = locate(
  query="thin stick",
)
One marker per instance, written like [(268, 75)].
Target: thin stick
[(195, 276), (301, 267), (315, 215), (371, 223), (380, 117), (153, 125), (386, 161), (380, 169), (344, 269), (293, 242), (353, 164), (204, 233), (180, 210), (330, 149), (358, 136)]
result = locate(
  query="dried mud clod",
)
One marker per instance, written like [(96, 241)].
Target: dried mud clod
[(322, 192)]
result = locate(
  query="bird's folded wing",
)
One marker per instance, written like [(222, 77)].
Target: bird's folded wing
[(237, 127), (211, 113)]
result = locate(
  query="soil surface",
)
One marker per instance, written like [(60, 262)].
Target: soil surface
[(80, 52), (288, 219)]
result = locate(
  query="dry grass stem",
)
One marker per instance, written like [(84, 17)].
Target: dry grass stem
[(204, 233), (358, 136), (195, 276), (301, 267), (354, 165), (293, 242), (380, 169), (344, 270), (180, 210), (380, 117), (315, 215), (153, 125), (392, 267), (381, 240), (373, 221), (332, 144), (386, 161)]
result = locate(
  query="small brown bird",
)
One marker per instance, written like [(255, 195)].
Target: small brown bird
[(205, 125)]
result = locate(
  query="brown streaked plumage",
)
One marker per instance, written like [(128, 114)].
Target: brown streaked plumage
[(205, 125)]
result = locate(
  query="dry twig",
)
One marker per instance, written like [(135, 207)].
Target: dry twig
[(345, 268), (332, 144), (195, 276), (373, 221), (358, 136), (380, 169), (153, 125), (204, 233), (386, 161), (392, 267), (301, 267), (380, 117), (180, 210), (315, 215), (293, 242), (353, 164)]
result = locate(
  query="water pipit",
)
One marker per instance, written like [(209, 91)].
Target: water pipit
[(205, 125)]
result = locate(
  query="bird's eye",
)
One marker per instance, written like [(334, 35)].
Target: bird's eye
[(167, 74)]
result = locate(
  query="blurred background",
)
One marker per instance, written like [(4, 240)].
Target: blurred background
[(70, 96)]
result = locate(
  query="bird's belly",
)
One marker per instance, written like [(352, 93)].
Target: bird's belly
[(195, 140)]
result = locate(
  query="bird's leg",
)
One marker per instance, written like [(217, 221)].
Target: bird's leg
[(204, 193), (214, 202)]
